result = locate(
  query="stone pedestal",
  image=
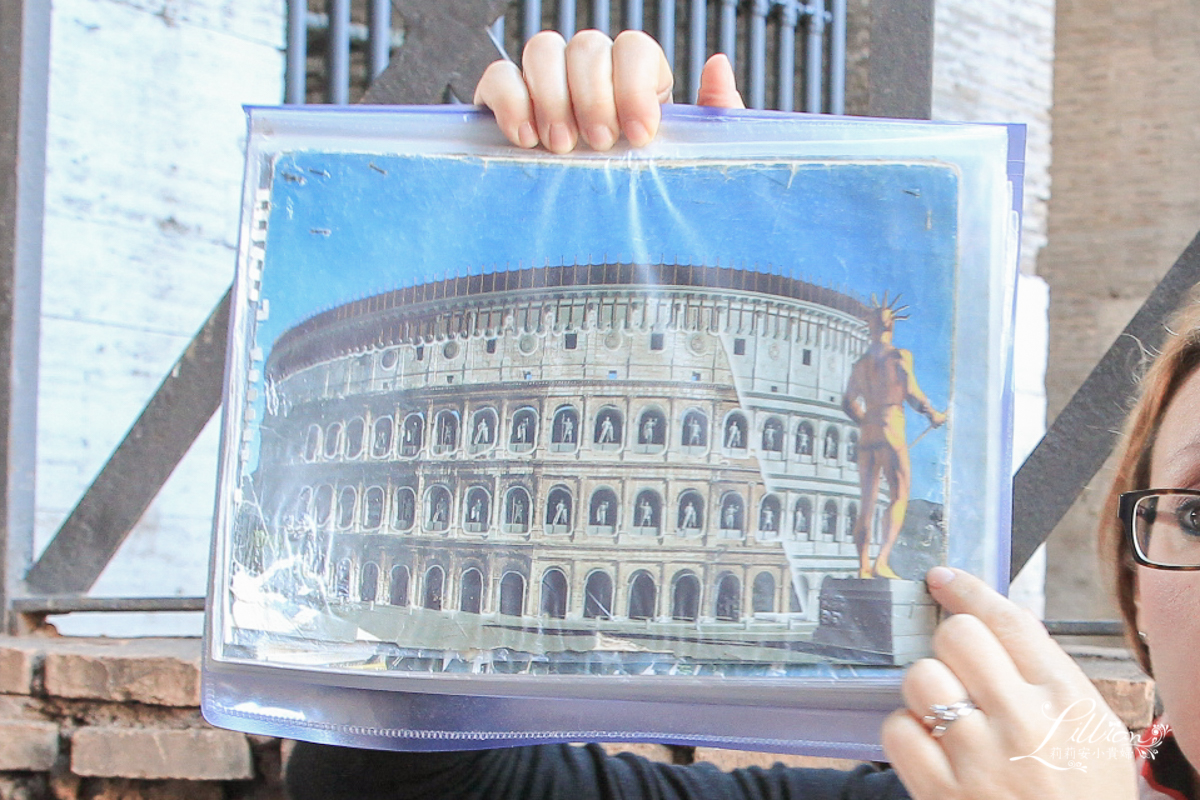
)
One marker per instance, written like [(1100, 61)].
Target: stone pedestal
[(876, 620)]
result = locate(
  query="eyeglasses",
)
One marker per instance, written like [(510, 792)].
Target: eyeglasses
[(1163, 526)]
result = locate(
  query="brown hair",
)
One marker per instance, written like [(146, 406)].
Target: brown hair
[(1179, 358)]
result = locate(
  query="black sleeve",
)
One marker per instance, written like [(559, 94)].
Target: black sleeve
[(550, 772)]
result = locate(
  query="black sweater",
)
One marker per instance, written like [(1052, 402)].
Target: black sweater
[(549, 772)]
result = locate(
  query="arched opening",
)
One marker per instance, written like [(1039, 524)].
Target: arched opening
[(831, 443), (729, 599), (512, 594), (354, 437), (558, 510), (651, 431), (523, 436), (732, 513), (643, 596), (804, 439), (333, 439), (554, 594), (471, 593), (763, 593), (691, 512), (445, 432), (516, 510), (564, 432), (302, 513), (851, 520), (368, 582), (852, 448), (607, 431), (685, 597), (768, 516), (398, 586), (404, 512), (829, 518), (373, 508), (381, 438), (602, 511), (647, 512), (735, 432), (437, 509), (434, 580), (347, 500), (324, 504), (413, 435), (484, 423), (478, 511), (772, 435), (597, 596), (693, 432), (802, 518)]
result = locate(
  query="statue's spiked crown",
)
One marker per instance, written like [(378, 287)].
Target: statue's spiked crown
[(883, 316)]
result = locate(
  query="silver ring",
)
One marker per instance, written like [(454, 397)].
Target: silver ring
[(941, 717)]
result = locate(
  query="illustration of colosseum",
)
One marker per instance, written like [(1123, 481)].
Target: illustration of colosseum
[(656, 452)]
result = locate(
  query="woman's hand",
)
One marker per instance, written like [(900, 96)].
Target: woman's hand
[(592, 87), (1040, 729)]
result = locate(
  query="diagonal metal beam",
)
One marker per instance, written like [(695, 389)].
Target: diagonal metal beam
[(180, 408), (1085, 432)]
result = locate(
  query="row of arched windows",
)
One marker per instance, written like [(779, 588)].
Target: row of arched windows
[(607, 431), (686, 597), (476, 513)]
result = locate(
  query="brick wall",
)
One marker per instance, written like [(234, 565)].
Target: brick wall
[(1126, 201), (117, 719)]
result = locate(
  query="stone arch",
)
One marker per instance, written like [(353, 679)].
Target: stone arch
[(647, 512), (518, 508), (603, 511), (398, 586), (432, 588), (727, 606), (477, 510), (832, 443), (512, 594), (312, 443), (608, 430), (802, 518), (690, 518), (438, 508), (404, 510), (685, 596), (559, 510), (763, 593), (355, 432), (733, 513), (805, 438), (829, 518), (554, 594), (482, 434), (769, 516), (445, 431), (346, 504), (333, 439), (470, 592), (772, 435), (523, 435), (693, 431), (381, 437), (368, 582), (564, 430), (412, 434), (598, 595), (735, 431), (651, 431), (373, 508), (643, 596)]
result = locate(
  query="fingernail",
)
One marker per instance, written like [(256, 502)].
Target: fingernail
[(600, 137), (637, 133), (938, 577), (561, 140), (526, 136)]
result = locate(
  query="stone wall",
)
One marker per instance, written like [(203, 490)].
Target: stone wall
[(110, 719), (1126, 202)]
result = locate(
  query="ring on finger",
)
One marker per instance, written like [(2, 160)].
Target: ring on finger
[(941, 717)]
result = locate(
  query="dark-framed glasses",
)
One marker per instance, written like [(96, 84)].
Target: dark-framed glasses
[(1163, 526)]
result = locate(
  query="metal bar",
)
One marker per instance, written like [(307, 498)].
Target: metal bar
[(69, 604), (1085, 627), (297, 52), (24, 88), (788, 20), (380, 36), (815, 64), (532, 22), (837, 59), (758, 53), (697, 33), (601, 15), (566, 17), (1082, 436), (141, 464), (635, 14), (729, 30), (338, 47), (666, 29)]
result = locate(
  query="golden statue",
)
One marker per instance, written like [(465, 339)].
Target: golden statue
[(881, 382)]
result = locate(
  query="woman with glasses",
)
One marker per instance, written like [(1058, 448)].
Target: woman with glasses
[(1000, 711)]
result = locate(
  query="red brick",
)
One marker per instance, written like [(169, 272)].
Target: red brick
[(18, 664), (155, 671), (195, 754)]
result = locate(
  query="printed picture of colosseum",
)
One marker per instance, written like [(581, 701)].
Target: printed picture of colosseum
[(585, 468)]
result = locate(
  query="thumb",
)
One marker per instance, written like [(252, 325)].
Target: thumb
[(717, 86)]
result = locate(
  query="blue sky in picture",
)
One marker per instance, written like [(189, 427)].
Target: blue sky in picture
[(347, 226)]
